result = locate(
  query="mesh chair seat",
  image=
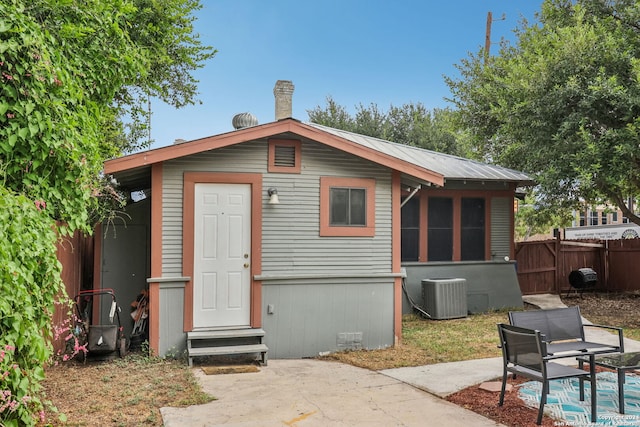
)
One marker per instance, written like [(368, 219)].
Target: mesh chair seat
[(573, 346)]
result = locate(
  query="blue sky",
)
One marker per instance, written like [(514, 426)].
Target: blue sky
[(356, 51)]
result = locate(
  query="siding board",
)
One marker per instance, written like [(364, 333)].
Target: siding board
[(500, 227), (290, 229)]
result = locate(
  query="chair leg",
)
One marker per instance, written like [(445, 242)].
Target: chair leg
[(581, 367), (543, 400), (504, 388), (594, 393)]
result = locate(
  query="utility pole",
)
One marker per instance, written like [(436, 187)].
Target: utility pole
[(149, 118), (487, 39)]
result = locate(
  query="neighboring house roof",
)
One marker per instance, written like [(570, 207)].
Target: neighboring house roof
[(423, 165)]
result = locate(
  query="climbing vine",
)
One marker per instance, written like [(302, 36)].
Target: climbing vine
[(29, 283), (67, 71), (55, 96)]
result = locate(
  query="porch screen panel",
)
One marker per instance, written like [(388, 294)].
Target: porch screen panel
[(472, 231), (440, 229), (410, 220)]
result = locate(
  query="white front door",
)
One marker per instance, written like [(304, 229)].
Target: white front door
[(222, 248)]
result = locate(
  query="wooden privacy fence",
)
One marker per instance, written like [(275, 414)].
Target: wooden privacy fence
[(76, 256), (544, 266)]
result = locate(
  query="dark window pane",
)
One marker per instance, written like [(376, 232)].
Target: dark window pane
[(472, 245), (410, 248), (411, 213), (440, 245), (440, 212), (410, 224), (339, 206), (348, 207), (358, 206), (472, 233), (440, 229), (472, 212)]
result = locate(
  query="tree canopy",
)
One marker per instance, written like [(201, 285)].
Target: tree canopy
[(71, 71), (563, 103), (410, 124)]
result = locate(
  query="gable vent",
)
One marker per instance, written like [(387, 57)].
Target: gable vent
[(285, 156)]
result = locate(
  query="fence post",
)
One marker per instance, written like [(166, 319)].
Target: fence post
[(605, 265), (556, 260)]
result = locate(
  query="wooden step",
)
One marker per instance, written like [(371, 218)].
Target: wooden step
[(227, 333), (228, 350), (220, 342), (231, 349)]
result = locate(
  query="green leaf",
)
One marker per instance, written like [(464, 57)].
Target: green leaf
[(29, 106), (33, 129)]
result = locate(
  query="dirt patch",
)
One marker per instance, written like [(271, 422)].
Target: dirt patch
[(121, 392), (608, 308), (229, 369)]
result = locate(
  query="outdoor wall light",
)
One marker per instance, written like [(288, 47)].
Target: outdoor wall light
[(273, 196)]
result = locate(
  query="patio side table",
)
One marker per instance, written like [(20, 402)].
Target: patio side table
[(621, 362)]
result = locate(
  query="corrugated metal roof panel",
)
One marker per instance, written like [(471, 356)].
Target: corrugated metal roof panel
[(451, 167)]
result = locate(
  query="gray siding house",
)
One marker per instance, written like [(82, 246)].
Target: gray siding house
[(305, 235)]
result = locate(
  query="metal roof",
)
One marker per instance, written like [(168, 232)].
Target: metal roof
[(451, 167), (423, 165)]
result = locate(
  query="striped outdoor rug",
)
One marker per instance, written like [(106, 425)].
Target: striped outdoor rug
[(563, 401)]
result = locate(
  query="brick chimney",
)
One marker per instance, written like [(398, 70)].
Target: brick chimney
[(283, 92)]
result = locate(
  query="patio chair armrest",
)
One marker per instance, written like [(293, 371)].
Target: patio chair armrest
[(595, 325), (563, 355), (612, 328)]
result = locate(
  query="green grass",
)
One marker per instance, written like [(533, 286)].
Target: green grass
[(634, 334), (473, 337), (426, 341)]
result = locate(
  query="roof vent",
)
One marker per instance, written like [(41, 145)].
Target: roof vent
[(244, 120)]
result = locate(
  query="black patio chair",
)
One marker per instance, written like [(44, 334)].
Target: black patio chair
[(524, 353)]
